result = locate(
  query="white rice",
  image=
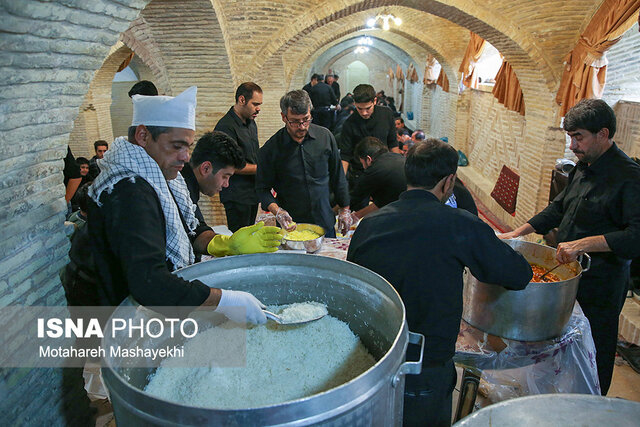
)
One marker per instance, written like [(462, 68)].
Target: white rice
[(302, 311), (283, 363)]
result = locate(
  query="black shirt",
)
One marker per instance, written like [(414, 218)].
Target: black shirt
[(194, 193), (336, 89), (380, 124), (71, 169), (307, 87), (242, 188), (303, 175), (601, 199), (322, 96), (128, 243), (432, 244), (384, 180)]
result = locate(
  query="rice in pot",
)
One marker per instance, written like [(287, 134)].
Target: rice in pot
[(283, 363)]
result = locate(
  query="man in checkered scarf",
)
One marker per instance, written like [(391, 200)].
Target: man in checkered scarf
[(142, 224)]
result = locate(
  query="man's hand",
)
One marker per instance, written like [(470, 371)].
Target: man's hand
[(248, 240), (570, 251), (509, 235), (344, 220), (241, 307), (285, 220)]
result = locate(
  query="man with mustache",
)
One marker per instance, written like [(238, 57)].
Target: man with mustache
[(239, 198), (142, 224), (597, 213)]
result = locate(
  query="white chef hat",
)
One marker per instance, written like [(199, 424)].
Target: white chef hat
[(166, 111)]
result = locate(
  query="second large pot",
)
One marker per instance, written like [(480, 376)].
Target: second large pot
[(538, 312)]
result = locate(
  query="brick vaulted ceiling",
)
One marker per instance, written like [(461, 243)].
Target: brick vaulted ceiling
[(533, 35)]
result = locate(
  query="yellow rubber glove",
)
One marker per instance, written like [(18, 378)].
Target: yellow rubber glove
[(252, 239)]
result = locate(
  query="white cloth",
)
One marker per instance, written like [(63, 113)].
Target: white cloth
[(166, 111), (126, 160)]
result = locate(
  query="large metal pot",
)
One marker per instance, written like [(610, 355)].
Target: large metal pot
[(536, 313), (363, 299), (559, 409)]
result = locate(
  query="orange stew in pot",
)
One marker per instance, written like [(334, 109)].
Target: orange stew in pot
[(538, 271)]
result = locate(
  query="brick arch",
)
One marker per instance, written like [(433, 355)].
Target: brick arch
[(94, 119), (139, 38), (489, 27), (418, 48)]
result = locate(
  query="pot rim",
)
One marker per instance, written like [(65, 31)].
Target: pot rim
[(377, 371)]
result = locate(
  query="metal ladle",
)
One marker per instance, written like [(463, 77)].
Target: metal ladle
[(279, 320)]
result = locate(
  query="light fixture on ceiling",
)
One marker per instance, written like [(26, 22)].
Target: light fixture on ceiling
[(386, 19), (361, 49), (365, 41)]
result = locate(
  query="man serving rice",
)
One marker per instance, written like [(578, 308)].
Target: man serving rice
[(142, 223)]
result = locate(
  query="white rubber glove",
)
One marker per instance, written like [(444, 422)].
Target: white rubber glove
[(344, 221), (241, 307), (285, 220)]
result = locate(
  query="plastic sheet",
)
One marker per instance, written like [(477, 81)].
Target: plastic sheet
[(512, 368)]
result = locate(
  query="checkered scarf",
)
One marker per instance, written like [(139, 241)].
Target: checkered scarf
[(126, 160)]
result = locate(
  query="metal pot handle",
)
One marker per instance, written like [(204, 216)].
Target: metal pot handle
[(410, 368), (584, 269)]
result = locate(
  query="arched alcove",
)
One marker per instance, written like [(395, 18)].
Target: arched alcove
[(357, 73)]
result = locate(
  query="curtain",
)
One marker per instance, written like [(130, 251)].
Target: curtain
[(471, 56), (125, 63), (443, 80), (507, 89), (399, 72), (430, 75), (585, 68)]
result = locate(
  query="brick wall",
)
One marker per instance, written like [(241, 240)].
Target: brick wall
[(48, 63)]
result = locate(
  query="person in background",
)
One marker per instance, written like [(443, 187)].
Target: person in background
[(143, 87), (429, 275), (383, 179), (404, 140), (346, 109), (335, 85), (323, 103), (100, 147), (71, 178), (142, 224), (239, 198), (312, 82), (301, 162), (399, 122), (597, 213), (79, 217), (83, 164), (371, 120)]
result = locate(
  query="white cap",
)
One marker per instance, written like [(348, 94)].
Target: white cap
[(166, 111)]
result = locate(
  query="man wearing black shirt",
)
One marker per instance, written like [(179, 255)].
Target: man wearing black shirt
[(429, 275), (383, 179), (323, 98), (239, 198), (312, 83), (100, 147), (301, 163), (141, 222), (598, 212), (371, 120), (335, 85)]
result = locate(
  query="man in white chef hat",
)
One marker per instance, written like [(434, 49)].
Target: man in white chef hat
[(142, 224)]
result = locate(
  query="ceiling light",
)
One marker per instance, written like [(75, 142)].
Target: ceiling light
[(385, 18)]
